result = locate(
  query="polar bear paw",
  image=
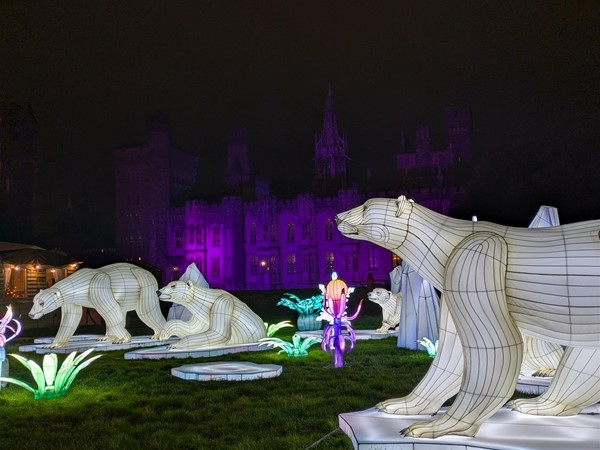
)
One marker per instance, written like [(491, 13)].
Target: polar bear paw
[(56, 345), (439, 427), (539, 406), (409, 405)]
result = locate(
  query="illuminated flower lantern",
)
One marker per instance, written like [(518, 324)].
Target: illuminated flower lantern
[(11, 325), (334, 310)]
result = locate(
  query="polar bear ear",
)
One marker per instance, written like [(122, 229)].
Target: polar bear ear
[(400, 204)]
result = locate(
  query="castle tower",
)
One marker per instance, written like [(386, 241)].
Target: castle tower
[(330, 153), (459, 128), (237, 172)]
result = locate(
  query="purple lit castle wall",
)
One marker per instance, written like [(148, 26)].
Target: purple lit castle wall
[(252, 239)]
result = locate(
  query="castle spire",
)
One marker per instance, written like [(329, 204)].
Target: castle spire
[(330, 152)]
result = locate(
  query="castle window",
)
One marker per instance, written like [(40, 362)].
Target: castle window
[(216, 235), (351, 262), (329, 262), (372, 253), (253, 265), (291, 232), (273, 231), (291, 263), (253, 233), (216, 267), (198, 234), (307, 230), (178, 237), (265, 232), (328, 230), (191, 235)]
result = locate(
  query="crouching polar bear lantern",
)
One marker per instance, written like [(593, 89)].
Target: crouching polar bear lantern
[(217, 318), (496, 281), (111, 290)]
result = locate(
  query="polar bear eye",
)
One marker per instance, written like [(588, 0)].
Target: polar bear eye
[(41, 303)]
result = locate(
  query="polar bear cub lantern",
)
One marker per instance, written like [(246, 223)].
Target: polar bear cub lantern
[(496, 281), (390, 308), (112, 291)]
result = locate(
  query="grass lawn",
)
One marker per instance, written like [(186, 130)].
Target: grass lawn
[(129, 404)]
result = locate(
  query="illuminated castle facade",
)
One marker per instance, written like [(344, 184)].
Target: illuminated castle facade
[(253, 239)]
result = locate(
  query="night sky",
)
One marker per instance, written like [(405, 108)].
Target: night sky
[(94, 70)]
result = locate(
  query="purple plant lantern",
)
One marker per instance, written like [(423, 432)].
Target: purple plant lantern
[(7, 323), (334, 310)]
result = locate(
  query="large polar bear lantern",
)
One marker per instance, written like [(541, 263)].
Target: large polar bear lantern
[(111, 290), (496, 281), (217, 317)]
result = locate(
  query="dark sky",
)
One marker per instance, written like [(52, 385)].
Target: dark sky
[(529, 70)]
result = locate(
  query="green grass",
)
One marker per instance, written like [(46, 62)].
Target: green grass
[(129, 404)]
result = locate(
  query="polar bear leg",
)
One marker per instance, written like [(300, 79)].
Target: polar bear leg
[(69, 321), (575, 386), (219, 331), (182, 328), (441, 381), (148, 306), (540, 358), (474, 289), (102, 298)]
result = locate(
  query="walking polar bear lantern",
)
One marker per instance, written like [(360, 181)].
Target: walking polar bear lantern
[(496, 281), (112, 291)]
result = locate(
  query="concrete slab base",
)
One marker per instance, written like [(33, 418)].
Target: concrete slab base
[(360, 334), (163, 352), (226, 371), (533, 385), (81, 343), (505, 430)]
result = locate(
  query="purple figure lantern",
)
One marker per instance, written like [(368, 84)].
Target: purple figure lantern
[(334, 310)]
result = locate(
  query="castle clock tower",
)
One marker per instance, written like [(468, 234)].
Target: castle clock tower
[(330, 153)]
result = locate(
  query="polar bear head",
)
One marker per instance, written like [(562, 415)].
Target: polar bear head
[(379, 296), (383, 221), (45, 301), (181, 292)]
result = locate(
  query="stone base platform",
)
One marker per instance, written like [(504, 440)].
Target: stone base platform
[(360, 334), (534, 385), (83, 342), (226, 371), (505, 430), (163, 351)]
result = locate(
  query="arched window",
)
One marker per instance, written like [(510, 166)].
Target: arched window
[(328, 230), (253, 265), (329, 262), (273, 231), (191, 235), (199, 239), (291, 263), (178, 237), (291, 232), (253, 233), (216, 235)]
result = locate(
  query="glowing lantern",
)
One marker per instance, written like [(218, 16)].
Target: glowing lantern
[(334, 309)]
